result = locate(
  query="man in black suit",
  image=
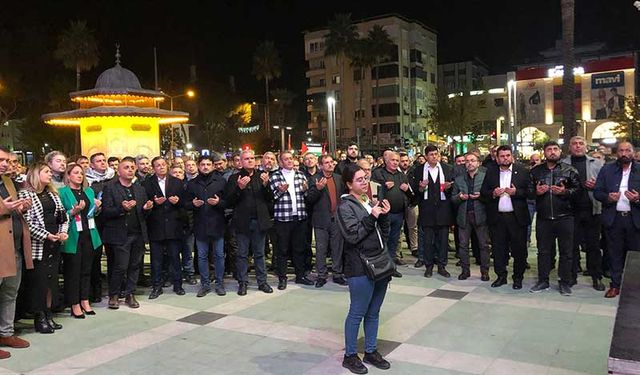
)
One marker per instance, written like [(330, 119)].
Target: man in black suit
[(505, 191), (324, 195), (432, 184), (618, 188), (205, 197), (124, 208), (249, 193), (164, 223)]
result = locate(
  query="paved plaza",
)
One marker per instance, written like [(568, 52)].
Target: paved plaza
[(428, 326)]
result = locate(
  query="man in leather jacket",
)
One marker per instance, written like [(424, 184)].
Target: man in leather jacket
[(554, 183)]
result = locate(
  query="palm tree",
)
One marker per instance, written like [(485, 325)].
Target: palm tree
[(77, 49), (381, 47), (568, 84), (362, 58), (339, 43), (267, 66)]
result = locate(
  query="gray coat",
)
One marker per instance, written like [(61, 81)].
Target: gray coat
[(460, 185), (593, 168)]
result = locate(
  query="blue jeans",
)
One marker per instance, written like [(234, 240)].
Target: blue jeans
[(203, 259), (366, 299), (396, 220), (187, 255), (531, 206), (256, 239)]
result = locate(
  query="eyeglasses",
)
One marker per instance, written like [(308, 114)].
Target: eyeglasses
[(362, 180)]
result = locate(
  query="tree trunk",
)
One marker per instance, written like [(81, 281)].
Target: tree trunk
[(568, 83), (378, 104), (358, 124), (77, 148), (267, 123)]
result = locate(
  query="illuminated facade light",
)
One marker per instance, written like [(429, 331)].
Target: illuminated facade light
[(558, 71), (496, 91)]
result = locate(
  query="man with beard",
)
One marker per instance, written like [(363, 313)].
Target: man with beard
[(205, 197), (587, 213), (618, 187), (143, 168), (555, 184), (57, 162), (504, 191), (97, 176), (352, 157)]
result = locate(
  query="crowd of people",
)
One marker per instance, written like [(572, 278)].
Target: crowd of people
[(226, 214)]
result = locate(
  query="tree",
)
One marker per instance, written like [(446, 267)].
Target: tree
[(568, 85), (628, 120), (77, 49), (380, 45), (362, 58), (339, 43), (266, 66), (453, 116)]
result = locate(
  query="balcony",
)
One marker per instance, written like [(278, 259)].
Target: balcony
[(312, 72)]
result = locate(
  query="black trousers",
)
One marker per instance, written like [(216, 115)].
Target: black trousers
[(508, 238), (622, 236), (125, 264), (436, 242), (291, 239), (172, 248), (586, 235), (44, 277), (77, 271), (547, 233)]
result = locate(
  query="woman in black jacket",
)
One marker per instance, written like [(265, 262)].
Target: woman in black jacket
[(365, 230)]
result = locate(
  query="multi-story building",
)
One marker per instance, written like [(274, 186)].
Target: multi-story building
[(462, 76), (406, 87)]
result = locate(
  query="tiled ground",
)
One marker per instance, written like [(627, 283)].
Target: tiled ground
[(428, 326)]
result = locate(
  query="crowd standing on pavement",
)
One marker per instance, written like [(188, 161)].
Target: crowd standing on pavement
[(221, 216)]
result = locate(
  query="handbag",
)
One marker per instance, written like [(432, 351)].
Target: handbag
[(377, 267)]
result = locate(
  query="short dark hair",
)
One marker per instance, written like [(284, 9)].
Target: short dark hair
[(154, 160), (349, 172), (112, 159), (205, 157), (504, 148), (93, 156), (130, 159), (325, 156), (4, 149), (353, 144), (460, 156), (81, 157), (549, 144), (429, 148)]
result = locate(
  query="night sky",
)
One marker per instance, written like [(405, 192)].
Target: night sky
[(219, 37)]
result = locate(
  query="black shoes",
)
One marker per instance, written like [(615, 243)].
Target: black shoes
[(51, 322), (41, 325), (179, 291), (79, 316), (428, 272), (464, 275), (484, 276), (204, 290), (320, 282), (282, 283), (443, 272), (500, 281), (155, 293), (242, 289), (131, 301), (540, 286), (220, 289), (397, 274), (191, 280), (564, 289), (598, 285), (354, 364), (304, 281), (340, 280), (114, 304), (517, 284), (419, 264), (375, 359), (266, 288)]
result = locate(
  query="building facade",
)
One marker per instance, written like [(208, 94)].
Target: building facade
[(403, 91), (460, 76)]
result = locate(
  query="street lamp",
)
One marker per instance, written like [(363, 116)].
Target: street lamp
[(188, 94), (282, 129), (331, 117)]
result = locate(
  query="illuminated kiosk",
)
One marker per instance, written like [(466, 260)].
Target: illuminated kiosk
[(118, 117)]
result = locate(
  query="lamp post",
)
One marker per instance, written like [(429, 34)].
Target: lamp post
[(331, 117), (189, 94), (282, 129)]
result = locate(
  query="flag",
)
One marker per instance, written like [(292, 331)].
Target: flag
[(304, 148)]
